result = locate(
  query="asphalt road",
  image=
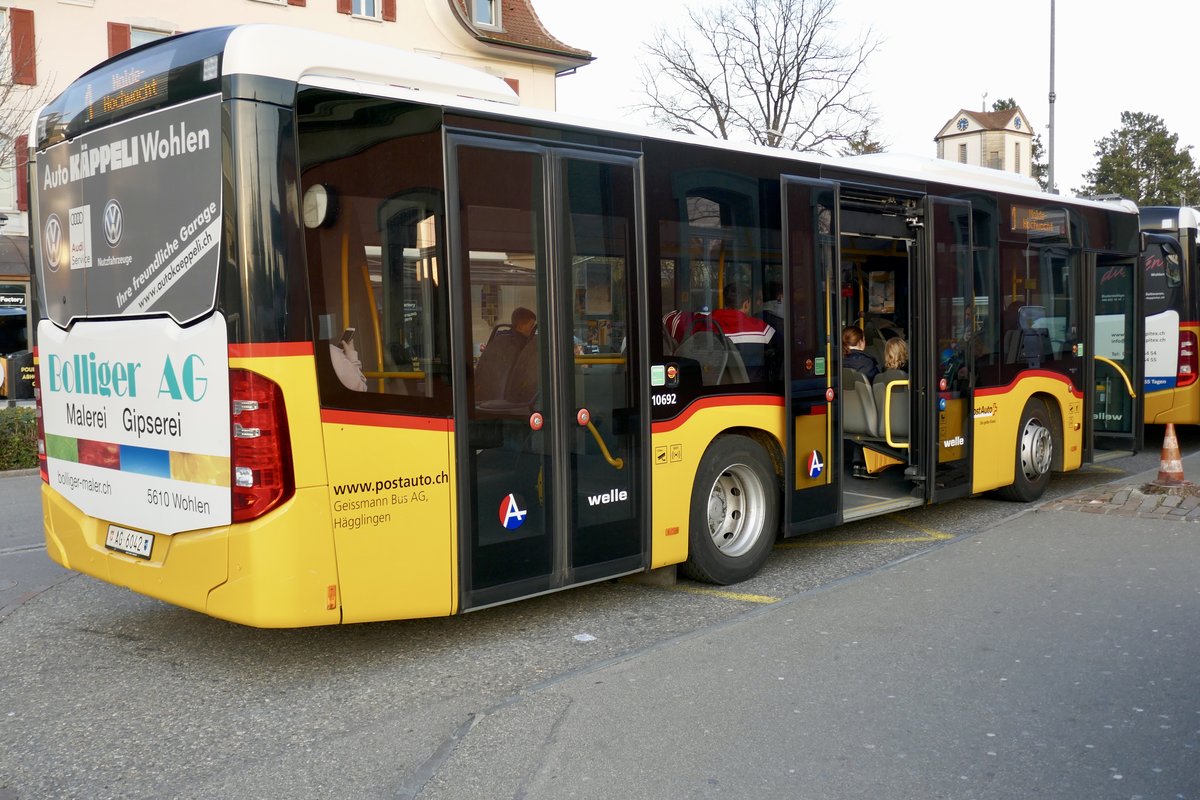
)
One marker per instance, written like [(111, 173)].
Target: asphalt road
[(881, 659)]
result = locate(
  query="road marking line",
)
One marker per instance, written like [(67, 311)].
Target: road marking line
[(930, 535), (739, 596)]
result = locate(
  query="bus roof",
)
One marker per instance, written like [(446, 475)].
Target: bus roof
[(297, 54), (1170, 217), (325, 60)]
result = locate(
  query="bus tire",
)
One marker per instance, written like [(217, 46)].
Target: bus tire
[(734, 512), (1034, 455)]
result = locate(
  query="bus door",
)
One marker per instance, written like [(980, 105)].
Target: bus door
[(1119, 342), (811, 242), (550, 464), (942, 354)]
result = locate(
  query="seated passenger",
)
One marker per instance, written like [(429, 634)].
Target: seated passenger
[(856, 358), (895, 355), (750, 335), (346, 363), (854, 354), (500, 355)]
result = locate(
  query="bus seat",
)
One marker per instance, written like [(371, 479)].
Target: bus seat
[(719, 360), (900, 412), (496, 362), (1027, 346), (521, 388), (859, 417)]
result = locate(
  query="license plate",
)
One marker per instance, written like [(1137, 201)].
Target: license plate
[(135, 543)]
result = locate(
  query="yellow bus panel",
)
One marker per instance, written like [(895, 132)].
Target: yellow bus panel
[(676, 448), (390, 507)]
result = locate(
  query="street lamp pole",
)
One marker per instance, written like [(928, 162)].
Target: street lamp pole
[(1051, 187)]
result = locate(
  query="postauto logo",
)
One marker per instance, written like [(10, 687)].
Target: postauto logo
[(513, 511)]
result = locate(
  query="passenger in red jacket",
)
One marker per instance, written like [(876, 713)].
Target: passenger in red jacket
[(749, 334)]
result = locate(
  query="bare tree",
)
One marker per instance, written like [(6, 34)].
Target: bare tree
[(18, 102), (769, 71)]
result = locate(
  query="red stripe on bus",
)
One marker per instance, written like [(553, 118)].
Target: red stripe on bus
[(666, 426), (1029, 373), (374, 419), (270, 350)]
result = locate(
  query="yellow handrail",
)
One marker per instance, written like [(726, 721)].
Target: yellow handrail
[(384, 374), (887, 414), (615, 463), (366, 276), (1121, 372)]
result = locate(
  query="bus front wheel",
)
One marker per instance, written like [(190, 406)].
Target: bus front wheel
[(1034, 456), (734, 513)]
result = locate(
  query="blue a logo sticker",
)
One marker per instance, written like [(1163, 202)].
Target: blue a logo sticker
[(513, 512)]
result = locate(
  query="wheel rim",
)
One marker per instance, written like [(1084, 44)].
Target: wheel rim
[(736, 505), (1037, 449)]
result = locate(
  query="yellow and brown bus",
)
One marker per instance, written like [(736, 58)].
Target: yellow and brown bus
[(232, 224), (1172, 310)]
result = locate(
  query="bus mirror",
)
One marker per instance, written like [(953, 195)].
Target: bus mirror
[(319, 204)]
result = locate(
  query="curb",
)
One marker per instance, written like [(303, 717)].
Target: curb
[(18, 473)]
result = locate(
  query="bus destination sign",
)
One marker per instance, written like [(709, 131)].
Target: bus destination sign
[(132, 86), (1039, 222)]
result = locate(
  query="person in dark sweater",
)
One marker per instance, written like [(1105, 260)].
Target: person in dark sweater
[(854, 354), (855, 357)]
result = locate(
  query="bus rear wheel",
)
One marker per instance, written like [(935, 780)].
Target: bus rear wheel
[(1034, 456), (734, 513)]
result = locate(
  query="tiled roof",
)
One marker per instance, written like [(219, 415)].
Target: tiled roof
[(521, 28), (989, 120)]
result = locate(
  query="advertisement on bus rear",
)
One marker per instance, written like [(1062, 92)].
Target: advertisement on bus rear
[(136, 415), (129, 217)]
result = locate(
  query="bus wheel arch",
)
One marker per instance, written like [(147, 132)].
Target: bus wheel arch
[(733, 518), (1037, 450)]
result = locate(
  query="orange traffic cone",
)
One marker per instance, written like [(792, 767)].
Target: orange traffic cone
[(1170, 470)]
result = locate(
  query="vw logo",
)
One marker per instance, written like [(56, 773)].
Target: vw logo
[(54, 237), (112, 222)]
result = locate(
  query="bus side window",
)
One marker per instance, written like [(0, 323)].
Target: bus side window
[(375, 226)]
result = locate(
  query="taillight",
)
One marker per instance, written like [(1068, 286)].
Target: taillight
[(1187, 372), (41, 427), (261, 451)]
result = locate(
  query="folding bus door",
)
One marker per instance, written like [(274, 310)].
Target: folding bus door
[(811, 242), (1115, 370), (550, 465), (942, 358)]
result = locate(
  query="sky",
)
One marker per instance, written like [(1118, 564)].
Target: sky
[(939, 56)]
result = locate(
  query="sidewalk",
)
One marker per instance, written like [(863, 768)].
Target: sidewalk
[(1139, 496)]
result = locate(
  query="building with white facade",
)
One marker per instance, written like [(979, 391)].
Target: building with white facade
[(997, 139)]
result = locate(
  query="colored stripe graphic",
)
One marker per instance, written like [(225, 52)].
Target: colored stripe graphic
[(190, 467)]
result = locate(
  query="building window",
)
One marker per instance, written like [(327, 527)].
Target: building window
[(366, 8), (140, 36), (1016, 156), (962, 153), (486, 13)]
